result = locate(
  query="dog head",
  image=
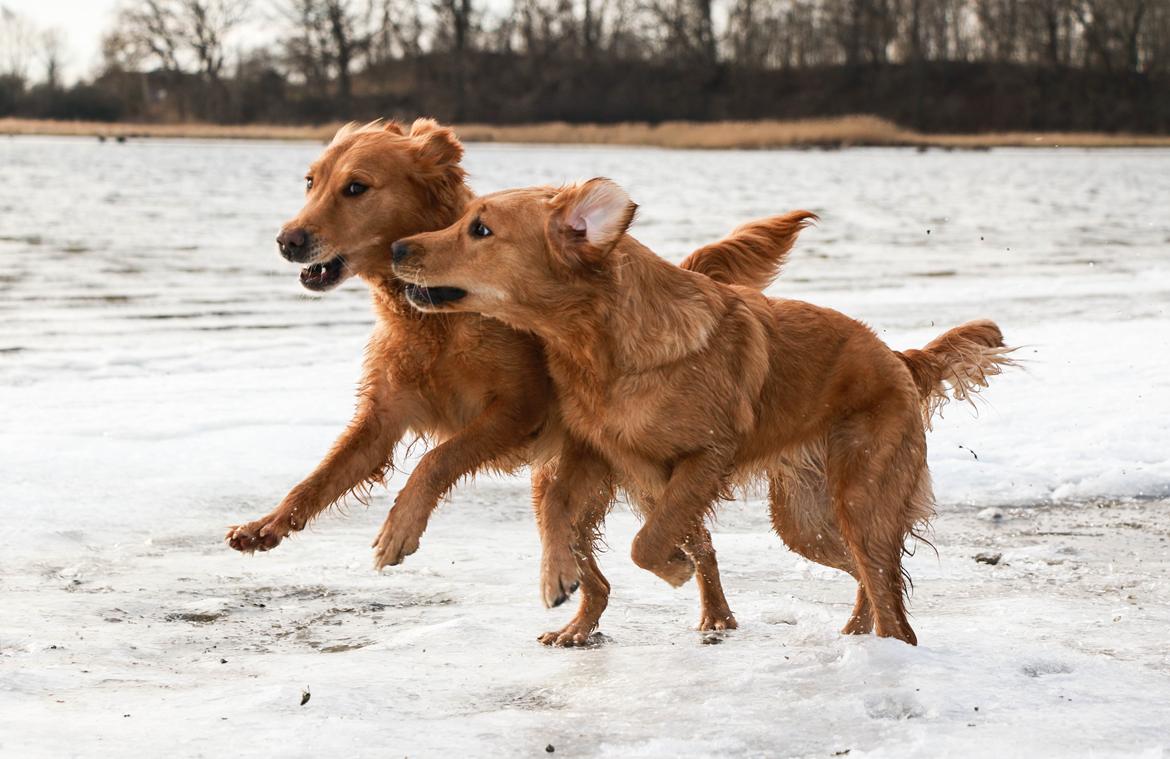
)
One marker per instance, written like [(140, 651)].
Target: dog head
[(517, 253), (371, 186)]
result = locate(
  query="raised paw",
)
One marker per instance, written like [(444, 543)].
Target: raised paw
[(576, 633), (558, 576), (669, 562), (677, 570), (397, 540), (262, 535)]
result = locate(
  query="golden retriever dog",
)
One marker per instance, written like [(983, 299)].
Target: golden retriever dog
[(476, 387), (685, 387)]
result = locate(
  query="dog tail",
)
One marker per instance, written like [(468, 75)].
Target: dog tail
[(753, 254), (962, 359)]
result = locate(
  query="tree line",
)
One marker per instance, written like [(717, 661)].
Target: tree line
[(958, 65)]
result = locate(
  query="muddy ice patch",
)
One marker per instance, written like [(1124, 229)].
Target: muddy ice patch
[(268, 619), (87, 576), (893, 705), (194, 617), (530, 699), (1043, 668)]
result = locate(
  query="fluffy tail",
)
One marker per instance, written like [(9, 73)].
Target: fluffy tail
[(962, 358), (752, 255)]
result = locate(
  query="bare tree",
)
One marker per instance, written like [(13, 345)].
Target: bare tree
[(344, 57), (146, 32), (453, 27), (18, 44), (305, 45), (685, 29), (704, 31), (343, 25), (453, 32), (175, 35), (204, 28), (328, 39), (396, 30), (51, 52), (1112, 31)]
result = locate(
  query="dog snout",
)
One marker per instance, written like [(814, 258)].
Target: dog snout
[(294, 244), (400, 251)]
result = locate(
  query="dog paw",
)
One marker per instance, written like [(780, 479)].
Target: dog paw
[(558, 577), (714, 621), (673, 564), (576, 633), (262, 535), (677, 569), (395, 542)]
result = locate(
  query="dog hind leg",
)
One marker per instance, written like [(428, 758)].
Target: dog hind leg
[(803, 518), (879, 489), (715, 614)]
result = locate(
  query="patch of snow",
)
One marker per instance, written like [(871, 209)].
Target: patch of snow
[(163, 377)]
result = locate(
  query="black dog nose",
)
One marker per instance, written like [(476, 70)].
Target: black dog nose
[(399, 251), (293, 243)]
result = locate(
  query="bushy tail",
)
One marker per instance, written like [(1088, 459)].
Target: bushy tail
[(961, 359), (752, 255)]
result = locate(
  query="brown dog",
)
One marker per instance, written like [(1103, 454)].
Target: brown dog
[(686, 387), (478, 388)]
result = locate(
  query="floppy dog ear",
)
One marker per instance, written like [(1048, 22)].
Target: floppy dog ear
[(588, 219), (435, 144)]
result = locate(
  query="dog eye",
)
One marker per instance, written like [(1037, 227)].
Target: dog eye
[(354, 189), (479, 230), (308, 183)]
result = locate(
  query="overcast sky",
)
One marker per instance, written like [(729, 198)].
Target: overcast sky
[(82, 21)]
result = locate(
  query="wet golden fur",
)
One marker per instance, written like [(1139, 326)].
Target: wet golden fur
[(685, 386), (470, 384)]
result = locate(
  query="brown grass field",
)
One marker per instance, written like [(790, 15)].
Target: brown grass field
[(846, 131)]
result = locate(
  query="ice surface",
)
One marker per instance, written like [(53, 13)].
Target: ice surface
[(163, 376)]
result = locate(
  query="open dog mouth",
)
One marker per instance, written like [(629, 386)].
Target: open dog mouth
[(429, 297), (324, 275)]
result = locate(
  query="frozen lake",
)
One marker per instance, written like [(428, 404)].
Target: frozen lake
[(163, 375)]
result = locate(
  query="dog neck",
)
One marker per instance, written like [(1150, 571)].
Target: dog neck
[(638, 313)]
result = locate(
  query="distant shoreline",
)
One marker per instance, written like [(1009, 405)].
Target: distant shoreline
[(842, 132)]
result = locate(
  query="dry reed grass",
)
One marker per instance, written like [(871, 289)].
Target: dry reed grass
[(846, 131)]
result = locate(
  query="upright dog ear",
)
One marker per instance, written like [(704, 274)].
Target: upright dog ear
[(435, 144), (588, 219)]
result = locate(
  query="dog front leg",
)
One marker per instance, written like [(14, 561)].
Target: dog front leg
[(691, 492), (715, 614), (575, 504), (556, 514), (361, 455), (493, 433)]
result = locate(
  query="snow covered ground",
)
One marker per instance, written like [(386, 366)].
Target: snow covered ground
[(162, 376)]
